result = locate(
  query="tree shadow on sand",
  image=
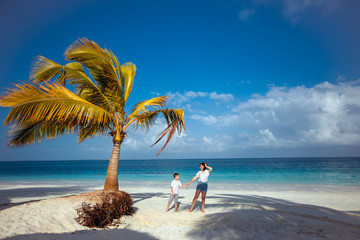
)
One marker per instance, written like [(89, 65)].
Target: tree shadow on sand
[(123, 234), (180, 205), (258, 217), (39, 192), (137, 197)]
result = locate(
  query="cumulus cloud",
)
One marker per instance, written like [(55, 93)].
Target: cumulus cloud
[(217, 143), (177, 98), (323, 116), (191, 94), (326, 114), (221, 97), (209, 120), (181, 98), (267, 135)]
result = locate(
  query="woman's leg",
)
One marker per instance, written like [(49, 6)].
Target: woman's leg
[(203, 196), (197, 193)]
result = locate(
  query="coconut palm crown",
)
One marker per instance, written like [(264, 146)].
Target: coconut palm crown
[(47, 108)]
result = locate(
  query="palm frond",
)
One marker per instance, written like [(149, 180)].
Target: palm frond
[(45, 69), (170, 130), (175, 120), (89, 131), (87, 89), (101, 67), (31, 132), (50, 102), (173, 117), (128, 70), (146, 119), (143, 106), (116, 62), (87, 52)]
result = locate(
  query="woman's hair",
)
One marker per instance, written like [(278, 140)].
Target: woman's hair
[(204, 164)]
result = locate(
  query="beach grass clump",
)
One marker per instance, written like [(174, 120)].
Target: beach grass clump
[(112, 205)]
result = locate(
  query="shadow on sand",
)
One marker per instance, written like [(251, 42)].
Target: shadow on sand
[(137, 197), (39, 192), (258, 217), (123, 234)]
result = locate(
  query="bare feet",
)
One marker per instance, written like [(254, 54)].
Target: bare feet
[(176, 210), (202, 211), (190, 210)]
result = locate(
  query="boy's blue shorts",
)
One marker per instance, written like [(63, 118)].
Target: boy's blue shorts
[(202, 186), (175, 198)]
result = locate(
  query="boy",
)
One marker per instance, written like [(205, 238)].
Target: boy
[(175, 184)]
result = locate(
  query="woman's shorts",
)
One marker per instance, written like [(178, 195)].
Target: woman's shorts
[(175, 198), (202, 186)]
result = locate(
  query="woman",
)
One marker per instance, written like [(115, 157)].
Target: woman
[(202, 185)]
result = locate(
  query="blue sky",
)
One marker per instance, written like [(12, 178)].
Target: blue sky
[(255, 78)]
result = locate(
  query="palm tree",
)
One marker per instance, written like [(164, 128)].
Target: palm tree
[(86, 96)]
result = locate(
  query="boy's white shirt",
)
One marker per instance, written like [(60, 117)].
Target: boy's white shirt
[(175, 186)]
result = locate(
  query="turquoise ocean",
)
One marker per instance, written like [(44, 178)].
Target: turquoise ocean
[(279, 171)]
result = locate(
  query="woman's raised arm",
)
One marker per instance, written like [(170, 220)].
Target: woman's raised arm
[(210, 168)]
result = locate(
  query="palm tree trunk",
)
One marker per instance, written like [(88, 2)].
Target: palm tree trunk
[(111, 182)]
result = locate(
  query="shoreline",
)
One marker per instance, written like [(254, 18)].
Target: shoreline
[(333, 196), (260, 213), (217, 185)]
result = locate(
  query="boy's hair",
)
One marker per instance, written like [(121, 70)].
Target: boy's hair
[(176, 174)]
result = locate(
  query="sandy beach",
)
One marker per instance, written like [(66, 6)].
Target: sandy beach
[(249, 212)]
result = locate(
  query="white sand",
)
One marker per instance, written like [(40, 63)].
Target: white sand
[(249, 212)]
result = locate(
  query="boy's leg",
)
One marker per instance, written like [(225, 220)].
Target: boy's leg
[(176, 207), (170, 200), (176, 200)]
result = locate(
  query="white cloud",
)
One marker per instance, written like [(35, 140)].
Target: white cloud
[(177, 98), (184, 99), (192, 94), (209, 120), (217, 121), (217, 143), (221, 97), (267, 135), (326, 114)]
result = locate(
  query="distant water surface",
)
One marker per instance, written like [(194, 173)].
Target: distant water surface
[(300, 171)]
